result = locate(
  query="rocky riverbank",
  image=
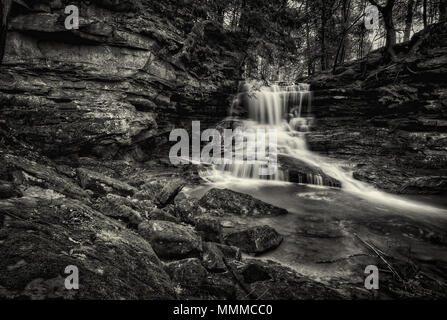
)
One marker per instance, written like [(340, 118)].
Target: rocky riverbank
[(133, 234), (134, 231)]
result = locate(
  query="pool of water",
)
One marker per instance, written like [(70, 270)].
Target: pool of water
[(326, 228)]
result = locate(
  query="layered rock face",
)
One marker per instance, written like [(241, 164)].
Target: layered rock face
[(119, 82), (389, 121), (76, 108)]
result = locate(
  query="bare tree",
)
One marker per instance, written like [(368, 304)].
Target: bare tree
[(308, 54), (387, 14), (323, 57), (442, 10), (5, 7), (409, 20)]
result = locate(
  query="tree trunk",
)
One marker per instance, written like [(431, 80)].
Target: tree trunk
[(5, 7), (323, 57), (341, 49), (387, 14), (309, 59), (360, 52), (220, 13), (390, 33), (409, 20), (323, 49), (442, 10), (424, 13), (345, 12)]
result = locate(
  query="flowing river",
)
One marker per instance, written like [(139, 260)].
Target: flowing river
[(324, 226)]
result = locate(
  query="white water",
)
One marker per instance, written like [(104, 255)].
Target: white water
[(287, 109)]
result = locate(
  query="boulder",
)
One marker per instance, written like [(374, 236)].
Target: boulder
[(187, 210), (271, 280), (213, 258), (300, 172), (230, 252), (41, 238), (425, 185), (114, 200), (255, 239), (101, 184), (255, 272), (120, 208), (28, 172), (162, 191), (224, 201), (171, 240), (193, 281), (208, 227), (126, 214), (158, 214), (169, 192)]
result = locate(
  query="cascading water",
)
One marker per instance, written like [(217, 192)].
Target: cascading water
[(287, 109)]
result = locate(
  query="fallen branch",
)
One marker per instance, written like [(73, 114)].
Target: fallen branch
[(376, 251)]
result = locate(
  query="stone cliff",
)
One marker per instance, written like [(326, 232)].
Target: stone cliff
[(131, 72), (389, 121)]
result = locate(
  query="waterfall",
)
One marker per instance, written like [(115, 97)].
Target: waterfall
[(287, 109)]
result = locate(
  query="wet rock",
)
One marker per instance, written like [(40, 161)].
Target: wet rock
[(8, 190), (208, 227), (425, 185), (158, 214), (271, 280), (102, 184), (212, 257), (124, 213), (169, 192), (187, 210), (255, 272), (254, 240), (41, 238), (161, 191), (99, 90), (193, 281), (229, 252), (148, 191), (171, 240), (300, 172), (121, 208), (224, 201), (142, 206), (28, 172)]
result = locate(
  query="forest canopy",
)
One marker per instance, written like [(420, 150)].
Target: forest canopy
[(287, 39)]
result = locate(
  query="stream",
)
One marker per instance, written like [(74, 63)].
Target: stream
[(327, 227)]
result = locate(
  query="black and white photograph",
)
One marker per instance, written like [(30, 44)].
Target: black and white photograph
[(237, 152)]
